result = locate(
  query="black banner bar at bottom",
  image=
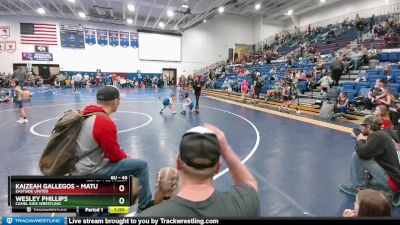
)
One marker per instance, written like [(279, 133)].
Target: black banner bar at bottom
[(211, 221)]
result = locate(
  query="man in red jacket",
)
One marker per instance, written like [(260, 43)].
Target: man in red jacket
[(98, 136)]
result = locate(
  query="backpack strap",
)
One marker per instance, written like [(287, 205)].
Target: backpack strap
[(92, 150)]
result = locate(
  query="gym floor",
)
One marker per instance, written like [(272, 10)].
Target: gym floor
[(298, 163)]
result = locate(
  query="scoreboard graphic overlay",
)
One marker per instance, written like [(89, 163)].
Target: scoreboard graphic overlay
[(69, 194)]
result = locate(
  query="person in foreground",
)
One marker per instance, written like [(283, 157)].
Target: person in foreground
[(375, 164), (98, 148), (198, 161), (369, 203)]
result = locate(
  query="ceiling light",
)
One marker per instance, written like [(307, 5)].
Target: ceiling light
[(41, 11), (322, 1), (185, 6), (204, 21), (170, 13), (82, 14), (131, 7), (257, 6), (290, 12), (221, 9), (72, 1), (161, 24), (129, 21)]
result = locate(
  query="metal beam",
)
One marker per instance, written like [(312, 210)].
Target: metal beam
[(11, 11), (123, 10), (137, 14), (17, 6), (162, 14), (58, 9), (197, 4), (46, 8), (26, 3), (294, 7), (148, 16), (83, 7), (72, 10), (206, 14)]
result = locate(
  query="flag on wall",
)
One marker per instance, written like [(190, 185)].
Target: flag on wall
[(124, 39), (134, 40), (113, 38), (40, 34), (90, 36), (102, 37)]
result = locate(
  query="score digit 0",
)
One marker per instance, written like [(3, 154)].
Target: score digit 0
[(121, 188)]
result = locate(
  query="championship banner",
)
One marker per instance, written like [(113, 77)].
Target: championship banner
[(4, 32), (124, 39), (30, 56), (11, 46), (90, 36), (113, 38), (2, 46), (102, 37), (134, 40)]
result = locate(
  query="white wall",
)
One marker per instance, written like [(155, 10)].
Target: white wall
[(341, 8), (209, 42), (106, 58), (201, 47), (269, 30)]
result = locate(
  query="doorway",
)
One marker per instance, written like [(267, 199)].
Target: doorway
[(169, 76), (48, 72), (241, 51)]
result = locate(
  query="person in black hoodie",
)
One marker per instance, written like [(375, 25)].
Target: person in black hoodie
[(197, 85), (375, 163)]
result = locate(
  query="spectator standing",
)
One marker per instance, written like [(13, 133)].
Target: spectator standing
[(20, 75), (359, 23), (337, 70), (77, 79), (197, 85)]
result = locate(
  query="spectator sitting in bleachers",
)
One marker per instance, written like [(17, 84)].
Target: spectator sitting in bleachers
[(388, 75), (369, 203), (389, 98), (381, 112), (342, 102), (325, 82), (376, 93), (4, 96)]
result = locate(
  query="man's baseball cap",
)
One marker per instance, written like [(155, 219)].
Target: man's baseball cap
[(373, 121), (199, 148), (107, 93)]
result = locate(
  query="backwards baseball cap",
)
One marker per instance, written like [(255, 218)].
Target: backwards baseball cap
[(199, 148), (373, 121), (107, 93)]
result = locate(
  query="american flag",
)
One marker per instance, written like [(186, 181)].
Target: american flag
[(38, 34)]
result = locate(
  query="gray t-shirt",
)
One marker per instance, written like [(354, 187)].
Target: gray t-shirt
[(240, 201)]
